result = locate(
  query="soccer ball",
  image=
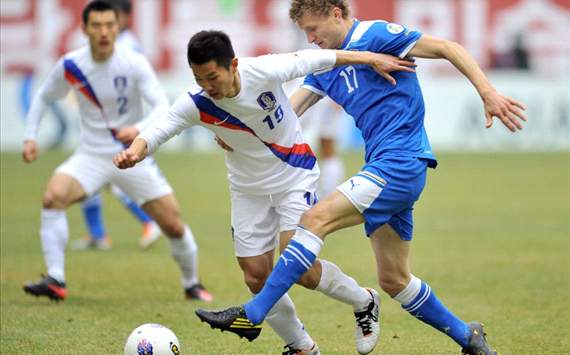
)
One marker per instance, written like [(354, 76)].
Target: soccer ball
[(152, 339)]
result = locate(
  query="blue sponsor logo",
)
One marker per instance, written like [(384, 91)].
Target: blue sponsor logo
[(144, 347)]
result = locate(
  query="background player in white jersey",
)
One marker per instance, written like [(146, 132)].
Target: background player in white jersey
[(97, 238), (272, 171), (325, 120), (110, 83)]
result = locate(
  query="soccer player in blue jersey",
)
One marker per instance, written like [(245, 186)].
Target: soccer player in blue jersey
[(397, 155)]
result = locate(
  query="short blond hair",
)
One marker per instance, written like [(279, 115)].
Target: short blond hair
[(317, 7)]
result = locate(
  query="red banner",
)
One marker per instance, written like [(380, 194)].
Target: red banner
[(34, 33)]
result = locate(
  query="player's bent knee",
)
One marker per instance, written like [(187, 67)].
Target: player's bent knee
[(53, 200), (255, 282), (392, 285), (314, 219), (310, 279), (172, 227)]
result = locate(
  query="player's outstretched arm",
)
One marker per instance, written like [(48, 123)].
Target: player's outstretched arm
[(30, 151), (383, 64), (303, 99), (506, 109), (132, 155)]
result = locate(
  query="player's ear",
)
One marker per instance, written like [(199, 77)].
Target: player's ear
[(336, 13), (234, 63)]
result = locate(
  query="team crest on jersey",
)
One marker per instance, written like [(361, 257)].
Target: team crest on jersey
[(267, 101), (120, 83), (394, 28)]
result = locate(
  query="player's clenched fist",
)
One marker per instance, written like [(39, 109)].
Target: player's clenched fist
[(126, 159), (132, 155), (30, 152)]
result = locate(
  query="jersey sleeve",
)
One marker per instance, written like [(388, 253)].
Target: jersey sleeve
[(311, 83), (53, 88), (384, 37), (288, 66), (152, 91), (181, 115)]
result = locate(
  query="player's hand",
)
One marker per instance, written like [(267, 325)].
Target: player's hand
[(506, 109), (126, 135), (126, 159), (30, 152), (223, 144), (384, 64)]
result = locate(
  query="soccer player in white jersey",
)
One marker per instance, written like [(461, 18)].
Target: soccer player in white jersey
[(397, 156), (272, 171), (110, 83), (97, 238)]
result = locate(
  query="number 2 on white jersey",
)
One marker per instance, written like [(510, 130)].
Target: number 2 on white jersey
[(349, 74)]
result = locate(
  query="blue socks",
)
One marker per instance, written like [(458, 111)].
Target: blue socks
[(135, 209), (295, 260), (421, 302), (94, 219), (92, 213)]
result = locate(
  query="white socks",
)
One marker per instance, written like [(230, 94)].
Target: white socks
[(54, 234), (185, 252), (336, 284), (283, 320), (408, 294), (332, 174)]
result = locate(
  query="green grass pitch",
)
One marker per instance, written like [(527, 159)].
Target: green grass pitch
[(491, 238)]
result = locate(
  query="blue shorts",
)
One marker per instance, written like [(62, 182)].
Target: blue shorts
[(385, 192)]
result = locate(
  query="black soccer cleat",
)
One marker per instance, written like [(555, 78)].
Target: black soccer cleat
[(47, 286), (477, 342), (232, 319), (198, 293)]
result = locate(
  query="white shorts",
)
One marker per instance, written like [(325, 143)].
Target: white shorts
[(144, 182), (257, 220)]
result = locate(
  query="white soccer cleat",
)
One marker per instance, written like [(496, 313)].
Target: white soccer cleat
[(88, 243), (368, 324), (290, 350), (151, 233)]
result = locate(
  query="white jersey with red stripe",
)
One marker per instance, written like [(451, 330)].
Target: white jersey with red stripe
[(269, 154), (109, 95)]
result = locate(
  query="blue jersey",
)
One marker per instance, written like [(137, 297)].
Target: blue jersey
[(391, 118)]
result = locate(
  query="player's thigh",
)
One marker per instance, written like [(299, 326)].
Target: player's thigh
[(255, 224), (165, 211), (79, 176), (330, 214), (143, 183), (62, 190)]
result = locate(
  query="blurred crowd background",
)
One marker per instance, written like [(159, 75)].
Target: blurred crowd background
[(523, 45)]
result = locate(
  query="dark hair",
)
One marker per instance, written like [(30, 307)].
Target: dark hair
[(99, 6), (205, 46), (122, 5)]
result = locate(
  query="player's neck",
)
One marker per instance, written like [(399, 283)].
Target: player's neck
[(236, 86), (101, 57), (347, 25)]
